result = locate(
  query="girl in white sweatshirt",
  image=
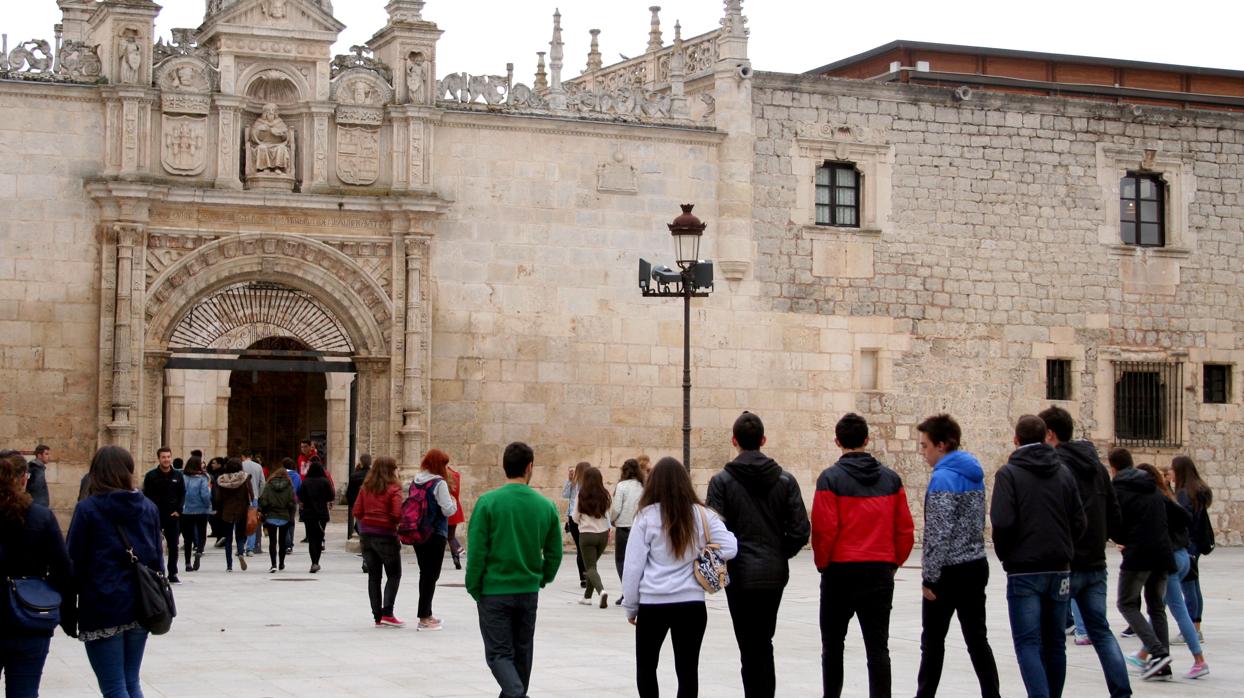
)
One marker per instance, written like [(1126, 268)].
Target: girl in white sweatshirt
[(660, 592)]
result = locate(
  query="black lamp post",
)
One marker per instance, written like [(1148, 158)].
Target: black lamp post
[(694, 279)]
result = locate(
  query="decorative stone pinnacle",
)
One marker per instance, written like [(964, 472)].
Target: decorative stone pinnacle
[(404, 11), (556, 54), (654, 35), (542, 80), (677, 31), (593, 55), (734, 22)]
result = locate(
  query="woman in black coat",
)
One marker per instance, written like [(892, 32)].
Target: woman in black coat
[(316, 495)]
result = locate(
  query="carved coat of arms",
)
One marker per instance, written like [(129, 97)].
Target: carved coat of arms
[(358, 155), (184, 150)]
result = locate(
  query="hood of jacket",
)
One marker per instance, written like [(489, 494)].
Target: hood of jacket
[(1135, 480), (862, 467), (280, 483), (1080, 456), (121, 505), (963, 464), (754, 470), (1039, 459), (231, 481), (36, 464)]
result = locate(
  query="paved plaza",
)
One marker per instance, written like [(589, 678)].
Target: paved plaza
[(253, 634)]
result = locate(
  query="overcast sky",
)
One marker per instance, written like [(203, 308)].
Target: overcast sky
[(481, 36)]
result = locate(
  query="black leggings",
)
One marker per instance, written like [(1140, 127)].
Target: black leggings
[(573, 529), (315, 538), (271, 530), (430, 555), (193, 534), (685, 623)]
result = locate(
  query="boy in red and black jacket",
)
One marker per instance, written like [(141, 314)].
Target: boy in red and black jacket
[(861, 532)]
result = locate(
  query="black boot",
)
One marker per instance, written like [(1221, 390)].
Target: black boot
[(457, 560)]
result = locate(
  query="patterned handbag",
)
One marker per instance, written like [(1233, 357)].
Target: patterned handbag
[(710, 569)]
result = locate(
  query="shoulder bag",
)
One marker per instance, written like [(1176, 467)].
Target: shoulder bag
[(153, 598), (33, 603), (710, 569)]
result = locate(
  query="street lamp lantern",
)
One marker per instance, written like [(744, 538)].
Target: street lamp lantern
[(687, 230)]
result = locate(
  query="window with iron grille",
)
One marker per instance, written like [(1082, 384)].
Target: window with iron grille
[(1217, 383), (1148, 403), (1057, 379), (838, 194), (1142, 210)]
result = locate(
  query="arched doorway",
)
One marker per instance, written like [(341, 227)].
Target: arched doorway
[(271, 411)]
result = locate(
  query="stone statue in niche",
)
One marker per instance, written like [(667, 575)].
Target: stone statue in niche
[(131, 59), (416, 79), (269, 152)]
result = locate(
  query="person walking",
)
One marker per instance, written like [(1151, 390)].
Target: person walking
[(316, 496), (591, 515), (357, 476), (31, 547), (194, 513), (514, 547), (1037, 517), (662, 595), (378, 510), (955, 570), (454, 478), (277, 508), (103, 573), (1147, 561), (1196, 497), (216, 526), (763, 508), (862, 532), (37, 486), (232, 499), (1178, 521), (257, 482), (1088, 563), (570, 492), (626, 496), (166, 488), (430, 554)]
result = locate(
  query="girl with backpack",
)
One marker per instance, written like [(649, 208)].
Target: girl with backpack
[(660, 591), (277, 507), (429, 501), (1196, 497), (378, 510), (591, 515)]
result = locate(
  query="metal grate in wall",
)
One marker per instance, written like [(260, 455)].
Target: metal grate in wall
[(268, 308), (1057, 379), (1148, 403)]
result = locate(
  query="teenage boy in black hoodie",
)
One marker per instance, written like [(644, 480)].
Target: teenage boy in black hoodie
[(1037, 517), (1147, 560), (763, 508), (1088, 566)]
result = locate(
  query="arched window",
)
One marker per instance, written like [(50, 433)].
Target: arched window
[(838, 194)]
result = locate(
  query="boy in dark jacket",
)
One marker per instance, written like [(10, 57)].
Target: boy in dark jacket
[(1147, 560), (763, 508), (861, 532), (1037, 517), (166, 488), (1088, 565)]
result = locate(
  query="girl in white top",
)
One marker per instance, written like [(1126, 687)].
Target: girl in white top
[(661, 593), (626, 496)]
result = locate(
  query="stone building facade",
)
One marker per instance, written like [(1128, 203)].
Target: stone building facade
[(452, 257)]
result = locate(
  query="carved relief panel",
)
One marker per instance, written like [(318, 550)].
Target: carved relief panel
[(185, 101)]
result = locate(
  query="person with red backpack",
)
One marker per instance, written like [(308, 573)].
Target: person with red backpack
[(425, 525)]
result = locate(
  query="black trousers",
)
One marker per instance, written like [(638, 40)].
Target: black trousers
[(866, 590), (573, 528), (507, 624), (684, 623), (621, 534), (315, 538), (960, 590), (171, 528), (382, 554), (430, 556), (754, 614), (274, 532), (193, 534)]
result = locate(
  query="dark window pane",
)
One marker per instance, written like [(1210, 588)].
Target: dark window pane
[(1127, 188), (1149, 212), (1058, 379), (1128, 230), (1150, 234), (1127, 210), (1217, 383), (1148, 189)]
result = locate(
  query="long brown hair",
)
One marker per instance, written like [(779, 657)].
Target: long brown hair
[(670, 486), (112, 470), (631, 471), (1188, 481), (14, 501), (580, 468), (1157, 479), (594, 499), (434, 461), (383, 474)]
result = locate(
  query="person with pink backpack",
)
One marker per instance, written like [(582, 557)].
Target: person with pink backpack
[(425, 525)]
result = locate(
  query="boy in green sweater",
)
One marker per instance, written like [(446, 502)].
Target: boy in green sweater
[(514, 547)]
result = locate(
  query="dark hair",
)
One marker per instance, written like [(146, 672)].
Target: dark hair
[(631, 471), (287, 463), (41, 449), (364, 462), (315, 469), (382, 475), (194, 465), (434, 461), (851, 431), (196, 453), (1030, 429), (516, 458), (670, 486), (112, 469), (941, 429), (1120, 458), (1188, 481), (163, 449), (178, 464), (220, 462), (233, 465), (1157, 479), (1058, 421), (248, 452), (593, 499), (749, 431), (14, 500), (304, 442), (580, 468)]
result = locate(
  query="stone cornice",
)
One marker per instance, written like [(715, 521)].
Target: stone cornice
[(581, 127), (56, 92), (111, 190)]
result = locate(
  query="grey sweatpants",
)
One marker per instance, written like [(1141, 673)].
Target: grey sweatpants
[(1152, 631)]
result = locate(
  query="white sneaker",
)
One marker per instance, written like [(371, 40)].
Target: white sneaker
[(585, 602)]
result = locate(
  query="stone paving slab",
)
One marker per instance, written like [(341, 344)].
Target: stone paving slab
[(258, 635)]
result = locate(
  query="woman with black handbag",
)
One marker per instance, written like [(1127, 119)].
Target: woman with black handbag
[(34, 566), (113, 529)]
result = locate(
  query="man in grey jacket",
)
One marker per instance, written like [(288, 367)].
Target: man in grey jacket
[(37, 486)]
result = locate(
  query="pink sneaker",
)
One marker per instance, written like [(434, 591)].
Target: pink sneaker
[(1083, 640), (1198, 670), (392, 622)]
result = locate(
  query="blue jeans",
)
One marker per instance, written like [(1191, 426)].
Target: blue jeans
[(116, 662), (1088, 589), (1037, 604), (1176, 605), (1192, 591), (21, 663), (252, 541)]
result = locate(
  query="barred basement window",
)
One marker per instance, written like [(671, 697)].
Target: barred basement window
[(838, 194), (1217, 383), (1057, 379), (1142, 210), (1148, 403)]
